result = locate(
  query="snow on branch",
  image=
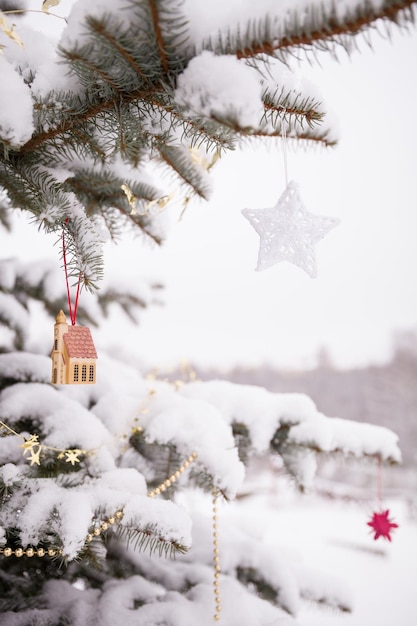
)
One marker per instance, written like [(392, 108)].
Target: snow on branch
[(264, 413), (139, 93), (303, 25)]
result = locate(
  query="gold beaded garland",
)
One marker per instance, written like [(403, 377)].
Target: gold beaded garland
[(105, 524), (29, 552), (171, 479), (32, 443), (33, 446), (216, 557), (118, 515)]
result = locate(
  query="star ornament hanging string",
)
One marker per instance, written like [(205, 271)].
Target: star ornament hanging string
[(288, 232), (381, 524)]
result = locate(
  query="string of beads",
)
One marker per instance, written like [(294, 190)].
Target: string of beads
[(104, 525), (216, 557), (52, 552)]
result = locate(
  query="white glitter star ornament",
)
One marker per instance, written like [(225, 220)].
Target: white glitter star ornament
[(288, 232)]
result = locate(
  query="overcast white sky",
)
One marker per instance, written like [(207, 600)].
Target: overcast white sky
[(219, 311)]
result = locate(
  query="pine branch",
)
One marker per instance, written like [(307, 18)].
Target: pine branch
[(149, 539), (306, 137), (86, 70), (87, 111), (18, 190), (5, 218), (325, 601), (114, 55), (260, 133), (129, 303), (154, 10), (17, 591), (170, 29), (179, 159), (196, 129), (207, 133), (160, 458), (14, 316), (253, 578), (136, 220), (125, 105), (32, 283), (99, 27), (280, 106), (282, 444), (5, 214), (132, 141), (242, 440), (102, 192), (75, 122), (315, 29)]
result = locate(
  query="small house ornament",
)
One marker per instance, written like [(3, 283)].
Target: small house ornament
[(73, 354)]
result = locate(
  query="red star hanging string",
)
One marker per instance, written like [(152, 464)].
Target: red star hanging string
[(380, 522)]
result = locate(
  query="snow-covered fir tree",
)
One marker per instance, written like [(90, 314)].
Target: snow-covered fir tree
[(94, 478)]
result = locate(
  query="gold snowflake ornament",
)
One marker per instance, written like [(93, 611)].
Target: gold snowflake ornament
[(35, 456), (29, 444), (72, 456)]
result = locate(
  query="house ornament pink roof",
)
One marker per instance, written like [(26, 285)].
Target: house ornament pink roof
[(79, 343)]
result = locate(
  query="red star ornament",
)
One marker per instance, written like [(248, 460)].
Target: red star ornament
[(382, 525)]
